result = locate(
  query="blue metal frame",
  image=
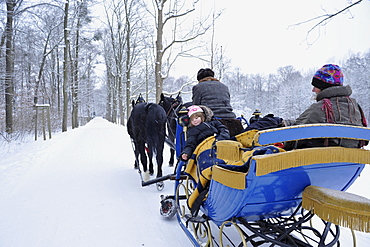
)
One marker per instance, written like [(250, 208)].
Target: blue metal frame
[(179, 169), (180, 139)]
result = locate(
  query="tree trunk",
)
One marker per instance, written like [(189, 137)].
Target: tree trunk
[(65, 68), (9, 67), (119, 104), (75, 84), (159, 54), (108, 111), (58, 83), (128, 63), (44, 55)]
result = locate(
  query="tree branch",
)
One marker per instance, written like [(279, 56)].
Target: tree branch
[(325, 18), (178, 15), (332, 15)]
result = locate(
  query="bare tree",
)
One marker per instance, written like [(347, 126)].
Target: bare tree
[(65, 66), (45, 54), (325, 18), (218, 62), (128, 13), (126, 37), (74, 66), (16, 27), (168, 13), (81, 18), (135, 34), (114, 11), (31, 61), (9, 65), (109, 62)]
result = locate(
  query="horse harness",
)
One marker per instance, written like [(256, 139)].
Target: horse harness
[(173, 107)]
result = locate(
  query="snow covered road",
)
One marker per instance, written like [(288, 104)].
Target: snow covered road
[(79, 189)]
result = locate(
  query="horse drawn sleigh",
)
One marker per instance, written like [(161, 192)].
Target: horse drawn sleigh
[(250, 192)]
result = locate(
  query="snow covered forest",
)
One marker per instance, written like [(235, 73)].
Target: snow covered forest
[(83, 58)]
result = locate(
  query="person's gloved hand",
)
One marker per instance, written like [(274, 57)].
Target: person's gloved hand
[(288, 122)]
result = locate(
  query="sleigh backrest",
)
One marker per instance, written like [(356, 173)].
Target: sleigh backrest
[(310, 131)]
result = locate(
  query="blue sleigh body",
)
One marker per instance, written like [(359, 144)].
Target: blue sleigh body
[(275, 194), (278, 191)]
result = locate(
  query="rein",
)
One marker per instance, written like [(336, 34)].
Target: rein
[(173, 108)]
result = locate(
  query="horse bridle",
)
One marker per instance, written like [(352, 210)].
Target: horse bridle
[(174, 106)]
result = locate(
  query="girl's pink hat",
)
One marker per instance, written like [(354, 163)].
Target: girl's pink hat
[(194, 109)]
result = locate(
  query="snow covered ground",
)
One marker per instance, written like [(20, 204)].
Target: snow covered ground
[(79, 189)]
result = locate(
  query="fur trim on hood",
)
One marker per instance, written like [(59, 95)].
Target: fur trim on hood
[(336, 91), (209, 78), (207, 112)]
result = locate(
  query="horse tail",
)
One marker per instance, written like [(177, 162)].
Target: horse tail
[(155, 127)]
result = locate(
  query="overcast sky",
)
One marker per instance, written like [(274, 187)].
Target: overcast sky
[(260, 36)]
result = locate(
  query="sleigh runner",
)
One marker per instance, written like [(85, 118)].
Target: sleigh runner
[(250, 191)]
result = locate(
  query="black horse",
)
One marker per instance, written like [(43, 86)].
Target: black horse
[(146, 125), (171, 107)]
